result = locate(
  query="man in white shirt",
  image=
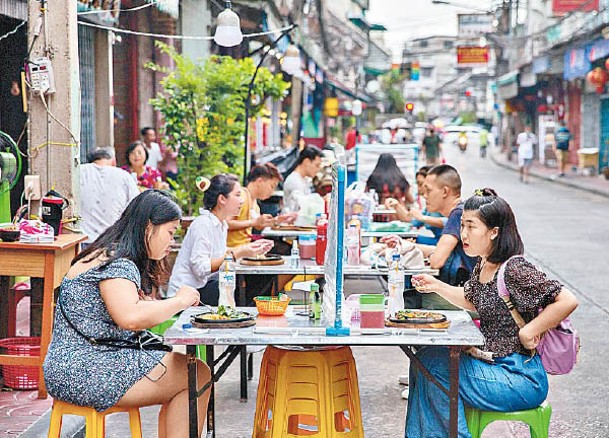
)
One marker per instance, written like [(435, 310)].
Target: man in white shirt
[(153, 148), (526, 142), (298, 182), (106, 191)]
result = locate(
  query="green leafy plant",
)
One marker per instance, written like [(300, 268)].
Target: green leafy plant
[(392, 84), (203, 109)]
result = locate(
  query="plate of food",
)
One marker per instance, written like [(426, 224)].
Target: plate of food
[(263, 259), (224, 315), (409, 316)]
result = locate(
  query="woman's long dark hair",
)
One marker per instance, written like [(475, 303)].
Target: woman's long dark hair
[(494, 211), (221, 184), (127, 238), (386, 176)]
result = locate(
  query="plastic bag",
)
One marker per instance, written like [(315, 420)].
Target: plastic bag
[(309, 207)]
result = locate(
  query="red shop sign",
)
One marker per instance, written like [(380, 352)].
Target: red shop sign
[(472, 55), (560, 7)]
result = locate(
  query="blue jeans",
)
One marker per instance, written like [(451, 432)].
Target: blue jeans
[(512, 383)]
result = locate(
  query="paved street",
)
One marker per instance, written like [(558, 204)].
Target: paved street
[(562, 229)]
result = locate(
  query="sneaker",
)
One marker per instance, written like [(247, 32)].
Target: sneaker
[(561, 175), (405, 393), (403, 379)]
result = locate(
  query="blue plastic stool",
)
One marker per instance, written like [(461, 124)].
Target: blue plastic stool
[(538, 419)]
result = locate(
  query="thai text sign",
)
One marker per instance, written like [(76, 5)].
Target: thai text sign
[(472, 55), (475, 25), (564, 6)]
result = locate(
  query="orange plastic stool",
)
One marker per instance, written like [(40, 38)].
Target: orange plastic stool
[(308, 393), (95, 422)]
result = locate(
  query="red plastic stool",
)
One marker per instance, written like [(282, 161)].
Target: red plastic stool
[(15, 294)]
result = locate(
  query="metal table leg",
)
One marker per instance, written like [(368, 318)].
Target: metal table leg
[(453, 392), (243, 378), (211, 408), (193, 417)]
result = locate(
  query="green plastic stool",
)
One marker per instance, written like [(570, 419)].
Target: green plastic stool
[(538, 419), (161, 328)]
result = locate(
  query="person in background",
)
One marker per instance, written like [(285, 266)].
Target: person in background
[(108, 192), (262, 183), (388, 181), (431, 147), (443, 195), (152, 147), (526, 142), (299, 181), (483, 138), (434, 222), (169, 165), (145, 176), (204, 246), (352, 138), (562, 139), (106, 294), (505, 374)]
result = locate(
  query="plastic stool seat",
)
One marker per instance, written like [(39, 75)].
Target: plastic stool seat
[(95, 422), (538, 419), (308, 393)]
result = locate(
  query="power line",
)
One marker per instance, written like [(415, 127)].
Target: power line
[(175, 37), (8, 34)]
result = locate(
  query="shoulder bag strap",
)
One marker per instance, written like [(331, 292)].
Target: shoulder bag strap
[(119, 343), (504, 293)]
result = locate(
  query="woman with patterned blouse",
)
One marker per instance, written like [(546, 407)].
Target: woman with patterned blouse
[(509, 378), (145, 176)]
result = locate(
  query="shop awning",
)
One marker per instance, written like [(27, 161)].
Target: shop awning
[(507, 85), (339, 86)]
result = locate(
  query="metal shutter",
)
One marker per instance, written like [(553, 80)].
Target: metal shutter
[(86, 54)]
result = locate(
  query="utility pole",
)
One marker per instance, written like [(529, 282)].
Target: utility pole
[(54, 115)]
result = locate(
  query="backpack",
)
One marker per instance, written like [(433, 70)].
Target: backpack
[(558, 347)]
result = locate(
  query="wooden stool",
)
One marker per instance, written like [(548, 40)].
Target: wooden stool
[(538, 419), (308, 393), (95, 422)]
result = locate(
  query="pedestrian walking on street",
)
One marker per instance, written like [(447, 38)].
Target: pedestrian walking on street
[(506, 374), (484, 134), (562, 138), (526, 142), (95, 357), (431, 147)]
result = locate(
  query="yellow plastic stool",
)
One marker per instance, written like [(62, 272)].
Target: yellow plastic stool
[(308, 393), (95, 422), (538, 419)]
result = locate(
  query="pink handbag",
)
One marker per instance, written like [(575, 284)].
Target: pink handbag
[(558, 347)]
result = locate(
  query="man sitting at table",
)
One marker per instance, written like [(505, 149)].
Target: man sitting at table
[(299, 181), (262, 182), (443, 195)]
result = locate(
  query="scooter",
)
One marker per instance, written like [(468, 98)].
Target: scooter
[(462, 143)]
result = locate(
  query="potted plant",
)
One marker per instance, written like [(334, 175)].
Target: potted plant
[(203, 109)]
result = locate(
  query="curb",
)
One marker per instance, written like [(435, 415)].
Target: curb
[(532, 172), (72, 426)]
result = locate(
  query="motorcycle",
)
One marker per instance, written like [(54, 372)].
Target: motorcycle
[(462, 143)]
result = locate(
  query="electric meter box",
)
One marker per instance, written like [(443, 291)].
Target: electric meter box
[(41, 75)]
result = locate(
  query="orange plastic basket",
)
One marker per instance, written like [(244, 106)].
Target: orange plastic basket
[(272, 306), (19, 376)]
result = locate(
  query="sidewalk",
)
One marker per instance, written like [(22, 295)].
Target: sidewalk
[(596, 184)]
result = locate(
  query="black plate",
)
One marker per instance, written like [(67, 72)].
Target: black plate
[(426, 320), (196, 318)]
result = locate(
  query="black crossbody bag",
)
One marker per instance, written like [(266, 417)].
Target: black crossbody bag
[(143, 340)]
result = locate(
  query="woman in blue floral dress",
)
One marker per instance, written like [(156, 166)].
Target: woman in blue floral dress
[(106, 294)]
